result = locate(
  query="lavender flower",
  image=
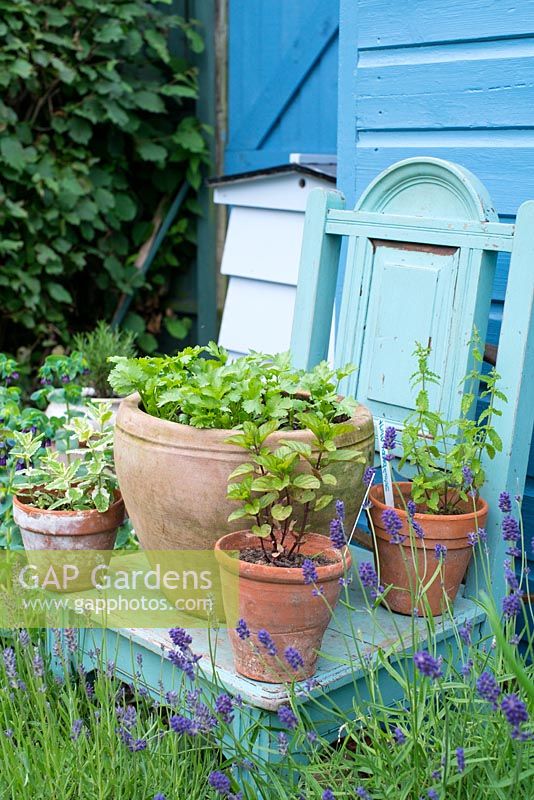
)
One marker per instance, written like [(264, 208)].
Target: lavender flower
[(515, 712), (10, 666), (220, 782), (393, 525), (411, 509), (76, 729), (465, 631), (293, 658), (159, 796), (369, 579), (472, 538), (368, 475), (460, 759), (24, 638), (488, 688), (38, 665), (171, 697), (363, 793), (309, 571), (511, 605), (340, 509), (287, 717), (127, 716), (328, 794), (399, 735), (390, 442), (510, 576), (467, 476), (432, 794), (440, 551), (180, 638), (510, 529), (483, 535), (71, 638), (283, 743), (184, 660), (428, 665), (242, 629), (337, 533), (505, 503), (224, 707), (265, 638)]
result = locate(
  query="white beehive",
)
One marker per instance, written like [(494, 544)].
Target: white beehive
[(262, 250)]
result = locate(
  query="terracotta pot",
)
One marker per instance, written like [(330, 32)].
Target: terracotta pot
[(449, 530), (278, 600), (43, 529), (174, 477)]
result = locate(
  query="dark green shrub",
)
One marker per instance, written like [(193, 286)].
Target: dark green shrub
[(96, 132)]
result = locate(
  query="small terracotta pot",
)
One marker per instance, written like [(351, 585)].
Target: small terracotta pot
[(278, 600), (43, 529), (449, 530)]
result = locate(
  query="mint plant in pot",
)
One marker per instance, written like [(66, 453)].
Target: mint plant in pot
[(267, 569), (172, 453), (71, 504), (425, 543)]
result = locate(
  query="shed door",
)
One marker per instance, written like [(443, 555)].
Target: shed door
[(282, 80)]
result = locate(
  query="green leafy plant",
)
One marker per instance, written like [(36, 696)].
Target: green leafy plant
[(85, 480), (97, 346), (277, 490), (60, 377), (447, 454), (200, 386), (97, 132)]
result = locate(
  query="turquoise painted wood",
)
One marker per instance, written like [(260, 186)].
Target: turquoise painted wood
[(282, 69), (443, 79), (420, 264), (349, 645)]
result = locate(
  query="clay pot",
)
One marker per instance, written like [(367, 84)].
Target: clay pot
[(43, 529), (174, 477), (449, 530), (278, 600)]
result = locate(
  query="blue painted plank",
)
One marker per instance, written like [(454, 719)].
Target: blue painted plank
[(477, 93), (384, 23)]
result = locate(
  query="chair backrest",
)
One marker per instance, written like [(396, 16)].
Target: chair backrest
[(419, 266)]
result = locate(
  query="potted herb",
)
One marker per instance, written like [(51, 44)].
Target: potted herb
[(73, 504), (172, 453), (97, 347), (266, 570), (428, 537)]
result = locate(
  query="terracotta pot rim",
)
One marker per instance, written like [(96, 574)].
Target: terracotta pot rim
[(287, 575), (361, 420), (482, 506), (68, 522)]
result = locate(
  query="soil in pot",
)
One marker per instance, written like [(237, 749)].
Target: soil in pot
[(277, 600), (174, 477), (397, 564)]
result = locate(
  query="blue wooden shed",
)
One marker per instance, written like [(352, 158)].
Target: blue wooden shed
[(383, 80)]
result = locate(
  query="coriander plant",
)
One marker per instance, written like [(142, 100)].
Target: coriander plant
[(278, 490), (447, 454), (200, 386), (85, 480)]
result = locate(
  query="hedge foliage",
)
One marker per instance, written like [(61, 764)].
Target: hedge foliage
[(96, 129)]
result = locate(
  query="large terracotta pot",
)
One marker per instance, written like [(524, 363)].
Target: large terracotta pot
[(174, 477), (277, 600), (399, 568)]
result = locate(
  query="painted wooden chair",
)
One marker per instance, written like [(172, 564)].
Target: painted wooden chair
[(420, 260)]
